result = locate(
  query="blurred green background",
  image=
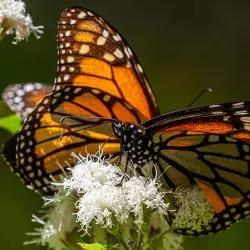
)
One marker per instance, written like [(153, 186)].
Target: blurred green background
[(183, 46)]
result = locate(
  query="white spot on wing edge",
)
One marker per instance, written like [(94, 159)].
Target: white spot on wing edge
[(218, 113), (67, 33), (139, 68), (82, 14), (70, 59), (66, 77), (214, 106), (238, 104), (245, 119), (28, 87), (241, 112), (90, 13), (105, 33), (72, 21), (117, 37)]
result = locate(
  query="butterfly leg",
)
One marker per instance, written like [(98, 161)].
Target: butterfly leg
[(139, 171), (126, 169), (120, 159)]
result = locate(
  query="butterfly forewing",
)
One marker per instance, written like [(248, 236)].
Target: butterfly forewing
[(92, 53)]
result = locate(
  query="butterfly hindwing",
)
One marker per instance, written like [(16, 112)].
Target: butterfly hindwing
[(42, 154), (22, 98), (209, 147)]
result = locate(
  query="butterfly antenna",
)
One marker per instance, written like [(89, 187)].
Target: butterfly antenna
[(84, 118), (198, 96), (73, 131)]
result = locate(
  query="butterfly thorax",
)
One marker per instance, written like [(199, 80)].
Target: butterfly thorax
[(136, 143)]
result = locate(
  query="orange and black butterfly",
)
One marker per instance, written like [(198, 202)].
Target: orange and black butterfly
[(23, 98), (101, 87)]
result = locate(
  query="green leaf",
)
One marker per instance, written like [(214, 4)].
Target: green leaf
[(95, 246), (4, 109), (11, 123)]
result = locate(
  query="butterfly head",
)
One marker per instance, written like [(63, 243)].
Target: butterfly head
[(129, 129)]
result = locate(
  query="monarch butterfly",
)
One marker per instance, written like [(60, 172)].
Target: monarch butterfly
[(101, 86), (22, 98)]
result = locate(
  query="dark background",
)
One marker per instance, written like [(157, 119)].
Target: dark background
[(183, 46)]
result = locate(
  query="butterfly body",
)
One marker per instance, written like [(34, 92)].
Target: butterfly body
[(136, 143)]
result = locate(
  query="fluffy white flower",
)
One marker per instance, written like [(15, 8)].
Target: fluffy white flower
[(102, 205), (47, 235), (58, 221), (140, 191), (62, 212), (103, 198), (92, 172), (15, 21), (195, 211)]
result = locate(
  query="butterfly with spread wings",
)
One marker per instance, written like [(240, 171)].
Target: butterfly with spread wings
[(100, 86)]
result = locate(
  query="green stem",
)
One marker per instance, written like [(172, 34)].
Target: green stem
[(115, 231), (146, 225), (71, 241), (121, 241), (138, 246), (156, 237)]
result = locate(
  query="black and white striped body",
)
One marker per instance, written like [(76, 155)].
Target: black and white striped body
[(136, 144)]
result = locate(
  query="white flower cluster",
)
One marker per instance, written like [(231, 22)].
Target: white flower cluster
[(46, 235), (195, 211), (142, 191), (105, 195), (97, 192), (15, 21), (90, 173), (58, 221), (102, 205)]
